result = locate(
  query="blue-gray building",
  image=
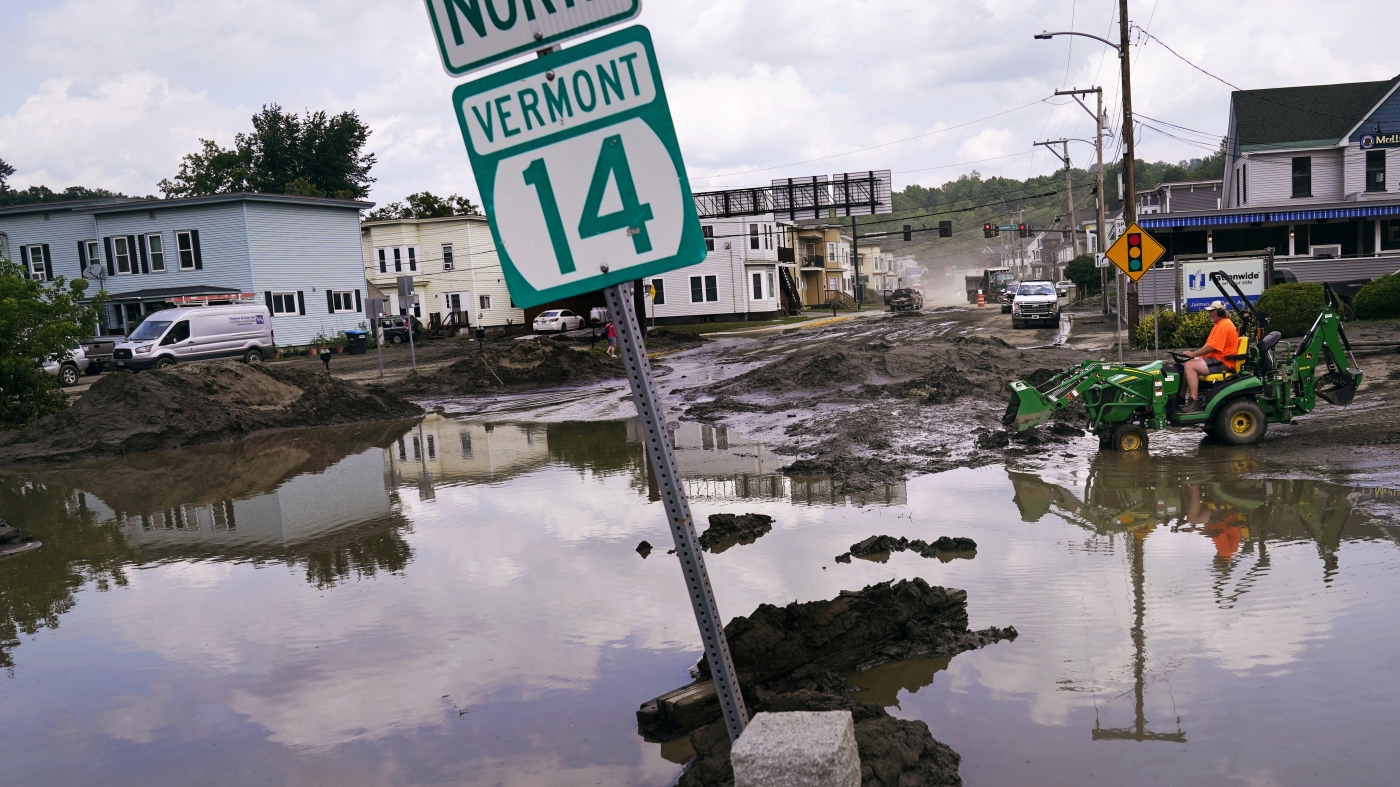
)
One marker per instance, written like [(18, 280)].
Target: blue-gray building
[(301, 256)]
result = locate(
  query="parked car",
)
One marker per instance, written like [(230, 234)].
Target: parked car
[(559, 320), (1062, 288), (906, 299), (395, 329), (1008, 297), (99, 353), (200, 333), (68, 369), (1036, 301)]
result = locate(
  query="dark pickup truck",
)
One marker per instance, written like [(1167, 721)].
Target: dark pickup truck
[(906, 299)]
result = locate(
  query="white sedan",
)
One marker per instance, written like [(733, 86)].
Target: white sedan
[(559, 320)]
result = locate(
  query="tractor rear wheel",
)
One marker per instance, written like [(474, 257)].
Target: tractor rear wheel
[(1240, 422), (1129, 437)]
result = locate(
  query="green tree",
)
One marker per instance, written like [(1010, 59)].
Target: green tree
[(37, 321), (1086, 277), (314, 155), (425, 205)]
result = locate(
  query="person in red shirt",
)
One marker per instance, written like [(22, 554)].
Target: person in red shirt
[(1224, 340)]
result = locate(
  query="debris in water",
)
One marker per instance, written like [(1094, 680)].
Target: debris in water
[(14, 541), (793, 658), (644, 549), (194, 404), (726, 530), (878, 548)]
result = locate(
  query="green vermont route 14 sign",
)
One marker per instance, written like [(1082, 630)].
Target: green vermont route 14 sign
[(475, 33), (579, 170)]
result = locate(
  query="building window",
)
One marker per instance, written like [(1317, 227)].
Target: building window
[(284, 303), (758, 286), (465, 438), (1302, 176), (184, 248), (447, 256), (753, 236), (412, 258), (708, 232), (342, 301), (484, 302), (383, 264), (1375, 170), (157, 248), (454, 302), (658, 287), (398, 260), (704, 288), (94, 253), (121, 254), (34, 261), (770, 284)]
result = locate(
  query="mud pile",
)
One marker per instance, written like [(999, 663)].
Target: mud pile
[(793, 658), (893, 752), (194, 404), (727, 530), (884, 545), (527, 362)]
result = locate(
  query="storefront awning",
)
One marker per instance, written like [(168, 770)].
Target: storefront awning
[(1216, 219)]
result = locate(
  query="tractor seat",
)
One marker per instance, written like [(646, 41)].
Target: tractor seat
[(1235, 359)]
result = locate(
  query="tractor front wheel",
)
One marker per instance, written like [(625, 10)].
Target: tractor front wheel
[(1240, 422), (1129, 437)]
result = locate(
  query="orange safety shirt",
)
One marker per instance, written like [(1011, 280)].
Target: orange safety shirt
[(1224, 340)]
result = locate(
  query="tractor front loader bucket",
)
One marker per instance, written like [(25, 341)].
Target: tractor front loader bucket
[(1027, 409)]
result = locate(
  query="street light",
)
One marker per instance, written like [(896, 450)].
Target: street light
[(1129, 160)]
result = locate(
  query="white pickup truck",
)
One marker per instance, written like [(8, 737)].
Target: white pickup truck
[(1036, 301)]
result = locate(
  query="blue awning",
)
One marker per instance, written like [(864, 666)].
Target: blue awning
[(1219, 219)]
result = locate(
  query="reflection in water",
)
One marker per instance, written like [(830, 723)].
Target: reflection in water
[(308, 498), (1214, 495), (715, 465)]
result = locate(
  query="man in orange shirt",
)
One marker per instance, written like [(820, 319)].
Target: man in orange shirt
[(1224, 340)]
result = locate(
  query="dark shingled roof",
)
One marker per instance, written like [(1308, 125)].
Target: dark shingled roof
[(1313, 113)]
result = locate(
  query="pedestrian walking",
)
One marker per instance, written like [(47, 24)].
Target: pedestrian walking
[(612, 340)]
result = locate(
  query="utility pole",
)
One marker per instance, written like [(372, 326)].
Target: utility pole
[(1098, 150), (855, 259), (1069, 190), (1129, 160)]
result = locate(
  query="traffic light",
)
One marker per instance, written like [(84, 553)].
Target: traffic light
[(987, 230), (1134, 252), (945, 229), (1024, 231), (908, 233)]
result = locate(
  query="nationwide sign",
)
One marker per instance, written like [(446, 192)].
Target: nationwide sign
[(1369, 141), (1200, 291), (472, 34), (579, 170)]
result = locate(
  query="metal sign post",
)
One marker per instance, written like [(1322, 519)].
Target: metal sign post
[(663, 459)]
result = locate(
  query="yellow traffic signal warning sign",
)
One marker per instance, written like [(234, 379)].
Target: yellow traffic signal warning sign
[(1135, 251)]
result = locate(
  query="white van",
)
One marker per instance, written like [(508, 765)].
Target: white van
[(197, 334)]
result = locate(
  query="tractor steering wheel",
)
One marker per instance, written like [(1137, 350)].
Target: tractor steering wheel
[(1179, 357)]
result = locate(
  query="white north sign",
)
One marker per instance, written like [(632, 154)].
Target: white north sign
[(472, 34), (579, 170)]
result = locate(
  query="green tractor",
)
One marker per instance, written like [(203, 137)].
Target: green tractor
[(1275, 383)]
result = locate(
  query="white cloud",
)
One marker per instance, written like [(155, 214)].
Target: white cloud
[(111, 93)]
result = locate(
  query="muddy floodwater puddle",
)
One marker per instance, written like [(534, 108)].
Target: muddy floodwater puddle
[(460, 602)]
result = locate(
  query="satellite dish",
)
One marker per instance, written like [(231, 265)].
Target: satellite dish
[(93, 271)]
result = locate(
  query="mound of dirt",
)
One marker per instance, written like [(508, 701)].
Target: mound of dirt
[(727, 530), (884, 545), (194, 404), (794, 657), (527, 362), (893, 752)]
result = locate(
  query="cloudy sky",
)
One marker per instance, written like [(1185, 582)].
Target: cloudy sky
[(111, 93)]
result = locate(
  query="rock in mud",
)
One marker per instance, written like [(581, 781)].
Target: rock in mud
[(195, 404), (878, 546), (524, 363), (727, 530)]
